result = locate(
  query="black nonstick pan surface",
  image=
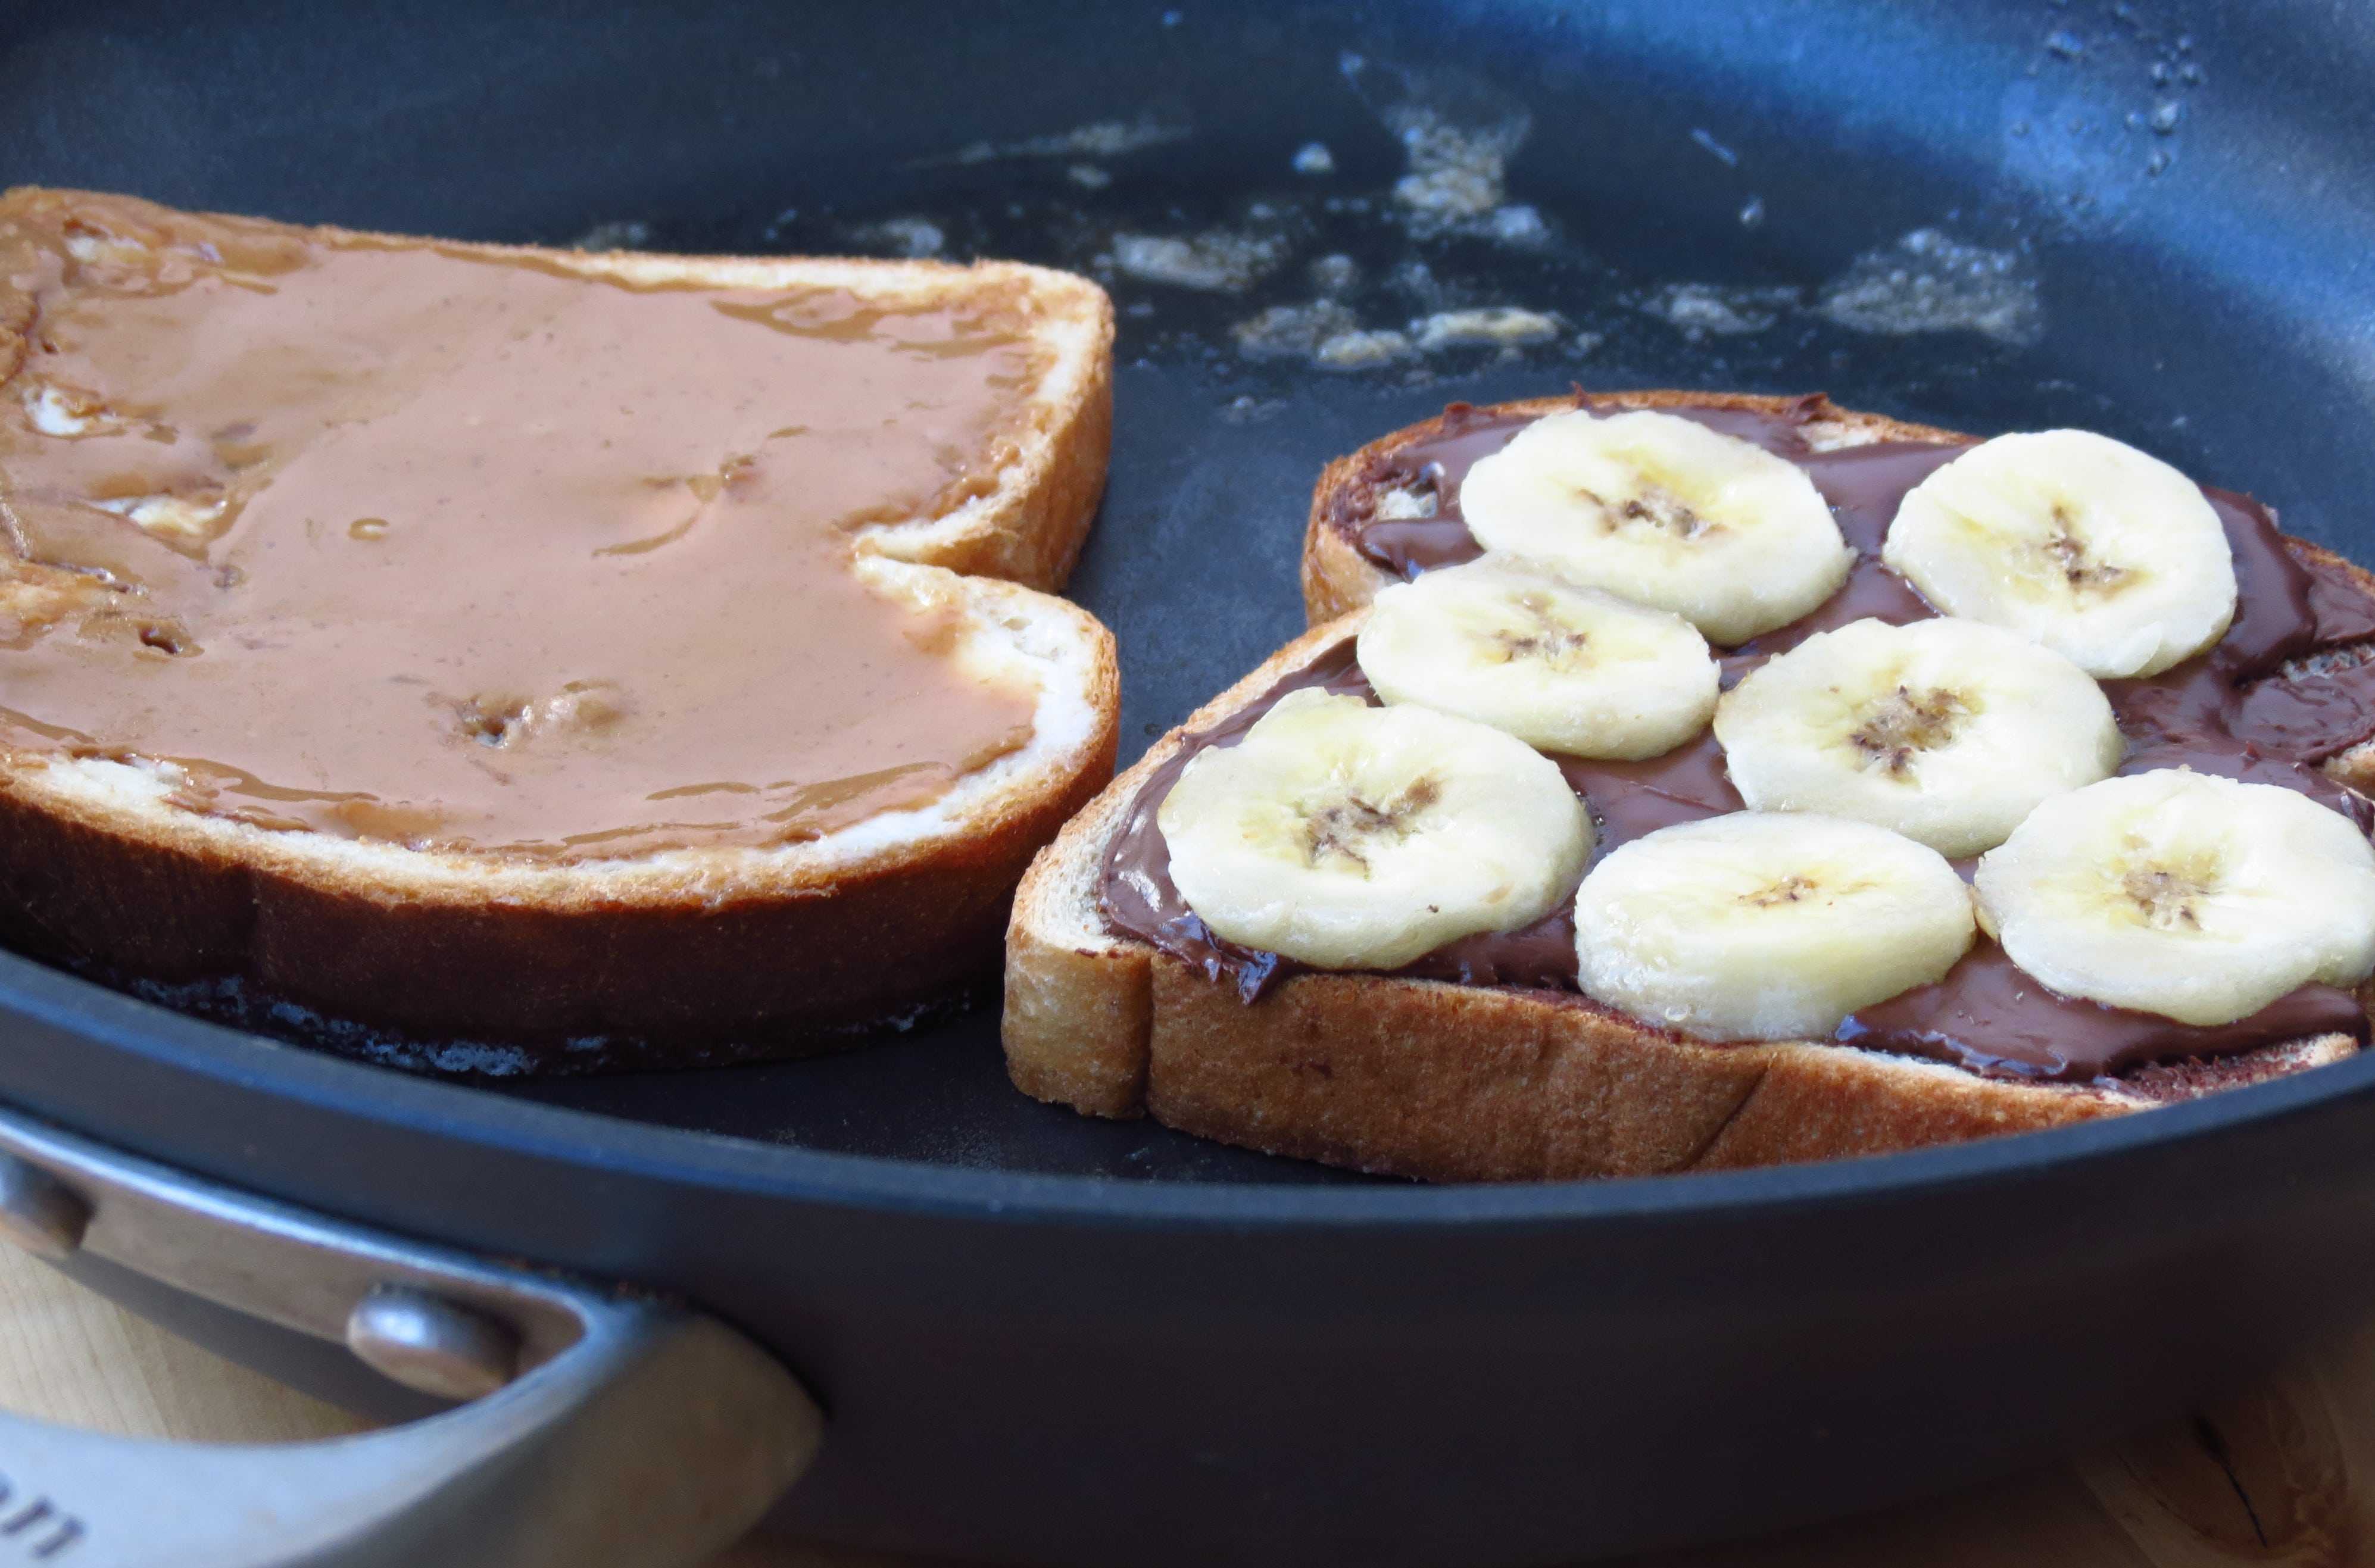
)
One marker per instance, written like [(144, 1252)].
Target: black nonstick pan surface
[(1041, 1338)]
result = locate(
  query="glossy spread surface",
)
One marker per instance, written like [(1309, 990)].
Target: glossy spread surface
[(400, 541), (2220, 713)]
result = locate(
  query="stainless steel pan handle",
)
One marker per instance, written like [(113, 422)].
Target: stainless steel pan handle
[(599, 1428)]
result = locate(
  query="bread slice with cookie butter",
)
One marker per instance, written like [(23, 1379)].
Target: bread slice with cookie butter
[(1674, 782), (494, 657)]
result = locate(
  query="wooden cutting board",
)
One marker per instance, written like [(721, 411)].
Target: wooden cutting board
[(2271, 1478)]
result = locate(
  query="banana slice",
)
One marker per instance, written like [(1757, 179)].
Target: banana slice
[(2106, 555), (2199, 898), (1664, 511), (1567, 669), (1764, 927), (1353, 837), (1946, 731)]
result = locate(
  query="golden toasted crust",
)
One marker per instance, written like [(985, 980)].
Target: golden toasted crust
[(1439, 1081), (1472, 1083), (683, 955)]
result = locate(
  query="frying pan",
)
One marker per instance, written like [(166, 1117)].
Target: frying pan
[(1037, 1337)]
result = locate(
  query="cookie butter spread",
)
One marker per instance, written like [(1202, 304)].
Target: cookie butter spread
[(2280, 693), (414, 542)]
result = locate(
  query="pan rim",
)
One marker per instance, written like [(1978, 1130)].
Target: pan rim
[(404, 1102)]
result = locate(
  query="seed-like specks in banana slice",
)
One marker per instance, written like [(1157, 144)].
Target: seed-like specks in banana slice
[(1664, 511), (1352, 837), (1569, 670), (2105, 554), (2200, 898), (1948, 731), (1766, 926)]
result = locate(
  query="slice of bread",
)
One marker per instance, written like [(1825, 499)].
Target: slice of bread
[(1442, 1081), (485, 962)]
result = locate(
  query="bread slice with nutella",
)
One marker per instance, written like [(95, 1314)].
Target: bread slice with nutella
[(1677, 781), (489, 656)]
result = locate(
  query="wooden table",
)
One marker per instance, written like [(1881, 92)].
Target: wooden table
[(2269, 1477)]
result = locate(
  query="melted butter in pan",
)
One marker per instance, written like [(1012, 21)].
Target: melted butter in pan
[(400, 541)]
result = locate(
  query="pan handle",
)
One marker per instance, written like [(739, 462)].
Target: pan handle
[(598, 1427)]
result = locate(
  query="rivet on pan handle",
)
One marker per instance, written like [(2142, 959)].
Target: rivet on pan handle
[(604, 1431)]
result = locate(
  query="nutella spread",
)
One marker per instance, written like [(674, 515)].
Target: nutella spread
[(2220, 713), (1988, 1015), (404, 541)]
